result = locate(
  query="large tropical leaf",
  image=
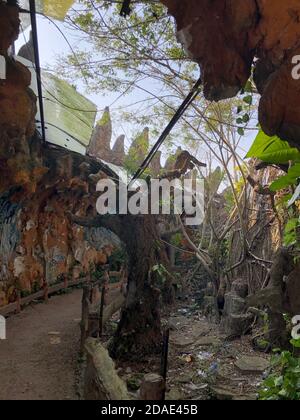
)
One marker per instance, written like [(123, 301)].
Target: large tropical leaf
[(273, 150), (287, 180)]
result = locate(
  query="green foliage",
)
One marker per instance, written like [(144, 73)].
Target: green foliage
[(244, 108), (234, 110), (161, 273), (228, 194), (290, 232), (284, 381), (122, 48), (229, 199), (25, 293), (223, 253), (248, 99), (273, 150), (97, 273), (118, 259), (105, 119), (176, 239), (287, 180), (139, 57), (35, 287), (137, 152), (291, 179)]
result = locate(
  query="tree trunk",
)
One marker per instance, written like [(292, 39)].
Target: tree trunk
[(283, 265), (273, 297), (153, 388), (139, 330)]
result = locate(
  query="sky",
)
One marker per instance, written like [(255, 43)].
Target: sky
[(52, 44)]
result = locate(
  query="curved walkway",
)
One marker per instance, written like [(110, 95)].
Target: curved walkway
[(39, 358)]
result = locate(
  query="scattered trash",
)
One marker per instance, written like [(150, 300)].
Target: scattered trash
[(183, 311), (202, 374), (189, 359), (203, 361), (204, 355), (213, 369)]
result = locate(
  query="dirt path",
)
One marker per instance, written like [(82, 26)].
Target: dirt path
[(38, 360)]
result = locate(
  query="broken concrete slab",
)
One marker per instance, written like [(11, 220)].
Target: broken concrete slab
[(177, 322), (234, 305), (223, 393), (185, 378), (208, 341), (236, 325), (252, 364), (191, 334), (182, 341), (210, 308)]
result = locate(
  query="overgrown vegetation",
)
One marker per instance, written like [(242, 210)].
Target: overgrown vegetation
[(139, 58), (275, 151), (118, 260), (283, 383)]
